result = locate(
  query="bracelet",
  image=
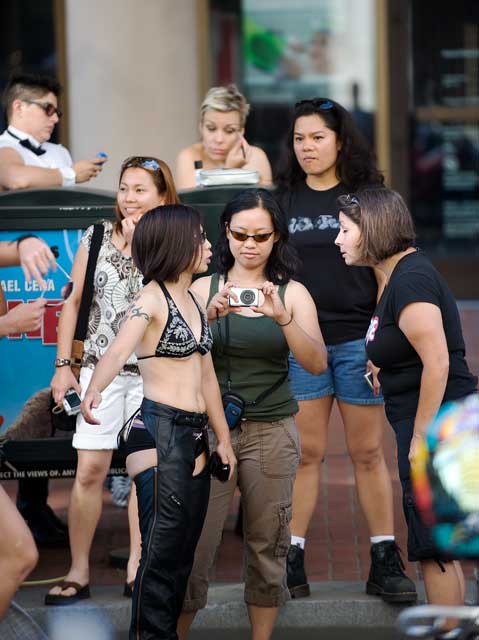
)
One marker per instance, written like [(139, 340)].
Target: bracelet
[(24, 237), (62, 362), (286, 323)]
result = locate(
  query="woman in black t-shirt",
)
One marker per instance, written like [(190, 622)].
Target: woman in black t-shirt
[(326, 157), (415, 339)]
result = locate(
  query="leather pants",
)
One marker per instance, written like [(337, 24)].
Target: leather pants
[(172, 505)]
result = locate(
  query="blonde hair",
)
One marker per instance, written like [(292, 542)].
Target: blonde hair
[(225, 99)]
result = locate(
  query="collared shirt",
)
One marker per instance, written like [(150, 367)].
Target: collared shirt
[(56, 156)]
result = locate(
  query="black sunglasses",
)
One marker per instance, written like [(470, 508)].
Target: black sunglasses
[(319, 103), (257, 237), (48, 107)]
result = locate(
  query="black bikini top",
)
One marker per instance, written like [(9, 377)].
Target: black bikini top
[(177, 339)]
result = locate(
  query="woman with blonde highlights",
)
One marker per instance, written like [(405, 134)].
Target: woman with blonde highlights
[(223, 116)]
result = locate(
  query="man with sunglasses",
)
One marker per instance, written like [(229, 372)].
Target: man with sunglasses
[(27, 159)]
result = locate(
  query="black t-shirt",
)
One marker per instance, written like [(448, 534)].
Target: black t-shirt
[(414, 279), (345, 296)]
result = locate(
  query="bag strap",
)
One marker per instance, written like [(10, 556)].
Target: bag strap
[(87, 294), (262, 396)]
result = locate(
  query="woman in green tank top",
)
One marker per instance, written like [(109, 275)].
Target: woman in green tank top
[(250, 349)]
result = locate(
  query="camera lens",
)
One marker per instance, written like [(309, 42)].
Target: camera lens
[(247, 296)]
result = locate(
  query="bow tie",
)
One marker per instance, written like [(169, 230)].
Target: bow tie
[(38, 151)]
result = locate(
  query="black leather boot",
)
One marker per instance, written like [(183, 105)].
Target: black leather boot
[(297, 581), (386, 576)]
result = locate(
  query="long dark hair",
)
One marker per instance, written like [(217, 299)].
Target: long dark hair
[(356, 162), (167, 242), (283, 262), (162, 178)]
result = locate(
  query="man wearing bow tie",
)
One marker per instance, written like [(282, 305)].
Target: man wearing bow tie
[(27, 159)]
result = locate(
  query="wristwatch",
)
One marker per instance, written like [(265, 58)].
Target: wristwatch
[(62, 362)]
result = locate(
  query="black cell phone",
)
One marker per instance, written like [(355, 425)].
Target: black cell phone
[(218, 469)]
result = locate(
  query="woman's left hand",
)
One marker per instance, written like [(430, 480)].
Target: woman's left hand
[(128, 227), (226, 453), (416, 440), (272, 306), (239, 154)]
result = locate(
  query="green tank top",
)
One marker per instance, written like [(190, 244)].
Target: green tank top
[(258, 358)]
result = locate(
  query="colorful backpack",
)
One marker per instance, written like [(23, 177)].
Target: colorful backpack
[(445, 476)]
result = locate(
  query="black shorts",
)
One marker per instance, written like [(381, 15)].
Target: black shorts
[(420, 544), (138, 437)]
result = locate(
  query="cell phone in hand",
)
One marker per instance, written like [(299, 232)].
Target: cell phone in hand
[(218, 469), (369, 379), (72, 402)]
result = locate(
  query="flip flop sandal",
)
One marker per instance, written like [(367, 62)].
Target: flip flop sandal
[(60, 600)]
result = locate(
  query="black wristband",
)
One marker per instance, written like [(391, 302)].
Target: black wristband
[(24, 237), (286, 323)]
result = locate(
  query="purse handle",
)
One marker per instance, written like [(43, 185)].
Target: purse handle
[(87, 294)]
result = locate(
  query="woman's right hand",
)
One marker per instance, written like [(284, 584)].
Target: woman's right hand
[(219, 305), (61, 382)]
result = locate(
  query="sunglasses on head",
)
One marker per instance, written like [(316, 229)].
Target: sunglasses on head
[(257, 237), (143, 163), (48, 107), (319, 103), (348, 200)]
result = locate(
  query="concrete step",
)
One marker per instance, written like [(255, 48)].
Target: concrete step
[(331, 604)]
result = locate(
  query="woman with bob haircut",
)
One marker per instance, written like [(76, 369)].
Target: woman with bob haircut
[(144, 183), (223, 116), (250, 355), (415, 341), (326, 156), (167, 449)]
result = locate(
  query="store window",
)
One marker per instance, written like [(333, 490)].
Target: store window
[(280, 52), (445, 129), (27, 40)]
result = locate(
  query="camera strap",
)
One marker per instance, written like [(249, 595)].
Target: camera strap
[(225, 348)]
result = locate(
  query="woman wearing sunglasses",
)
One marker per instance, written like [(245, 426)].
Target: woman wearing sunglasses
[(415, 339), (167, 451), (326, 156), (250, 354), (144, 183), (222, 121)]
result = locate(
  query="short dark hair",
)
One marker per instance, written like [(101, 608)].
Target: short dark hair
[(167, 242), (283, 262), (356, 163), (28, 86), (385, 223)]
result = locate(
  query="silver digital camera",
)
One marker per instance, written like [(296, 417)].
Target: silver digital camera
[(71, 402), (246, 297)]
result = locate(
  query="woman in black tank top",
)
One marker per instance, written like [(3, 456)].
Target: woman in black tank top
[(167, 448)]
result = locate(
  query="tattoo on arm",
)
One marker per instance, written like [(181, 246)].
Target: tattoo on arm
[(136, 312)]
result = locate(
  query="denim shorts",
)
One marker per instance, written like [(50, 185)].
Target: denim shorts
[(343, 379)]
